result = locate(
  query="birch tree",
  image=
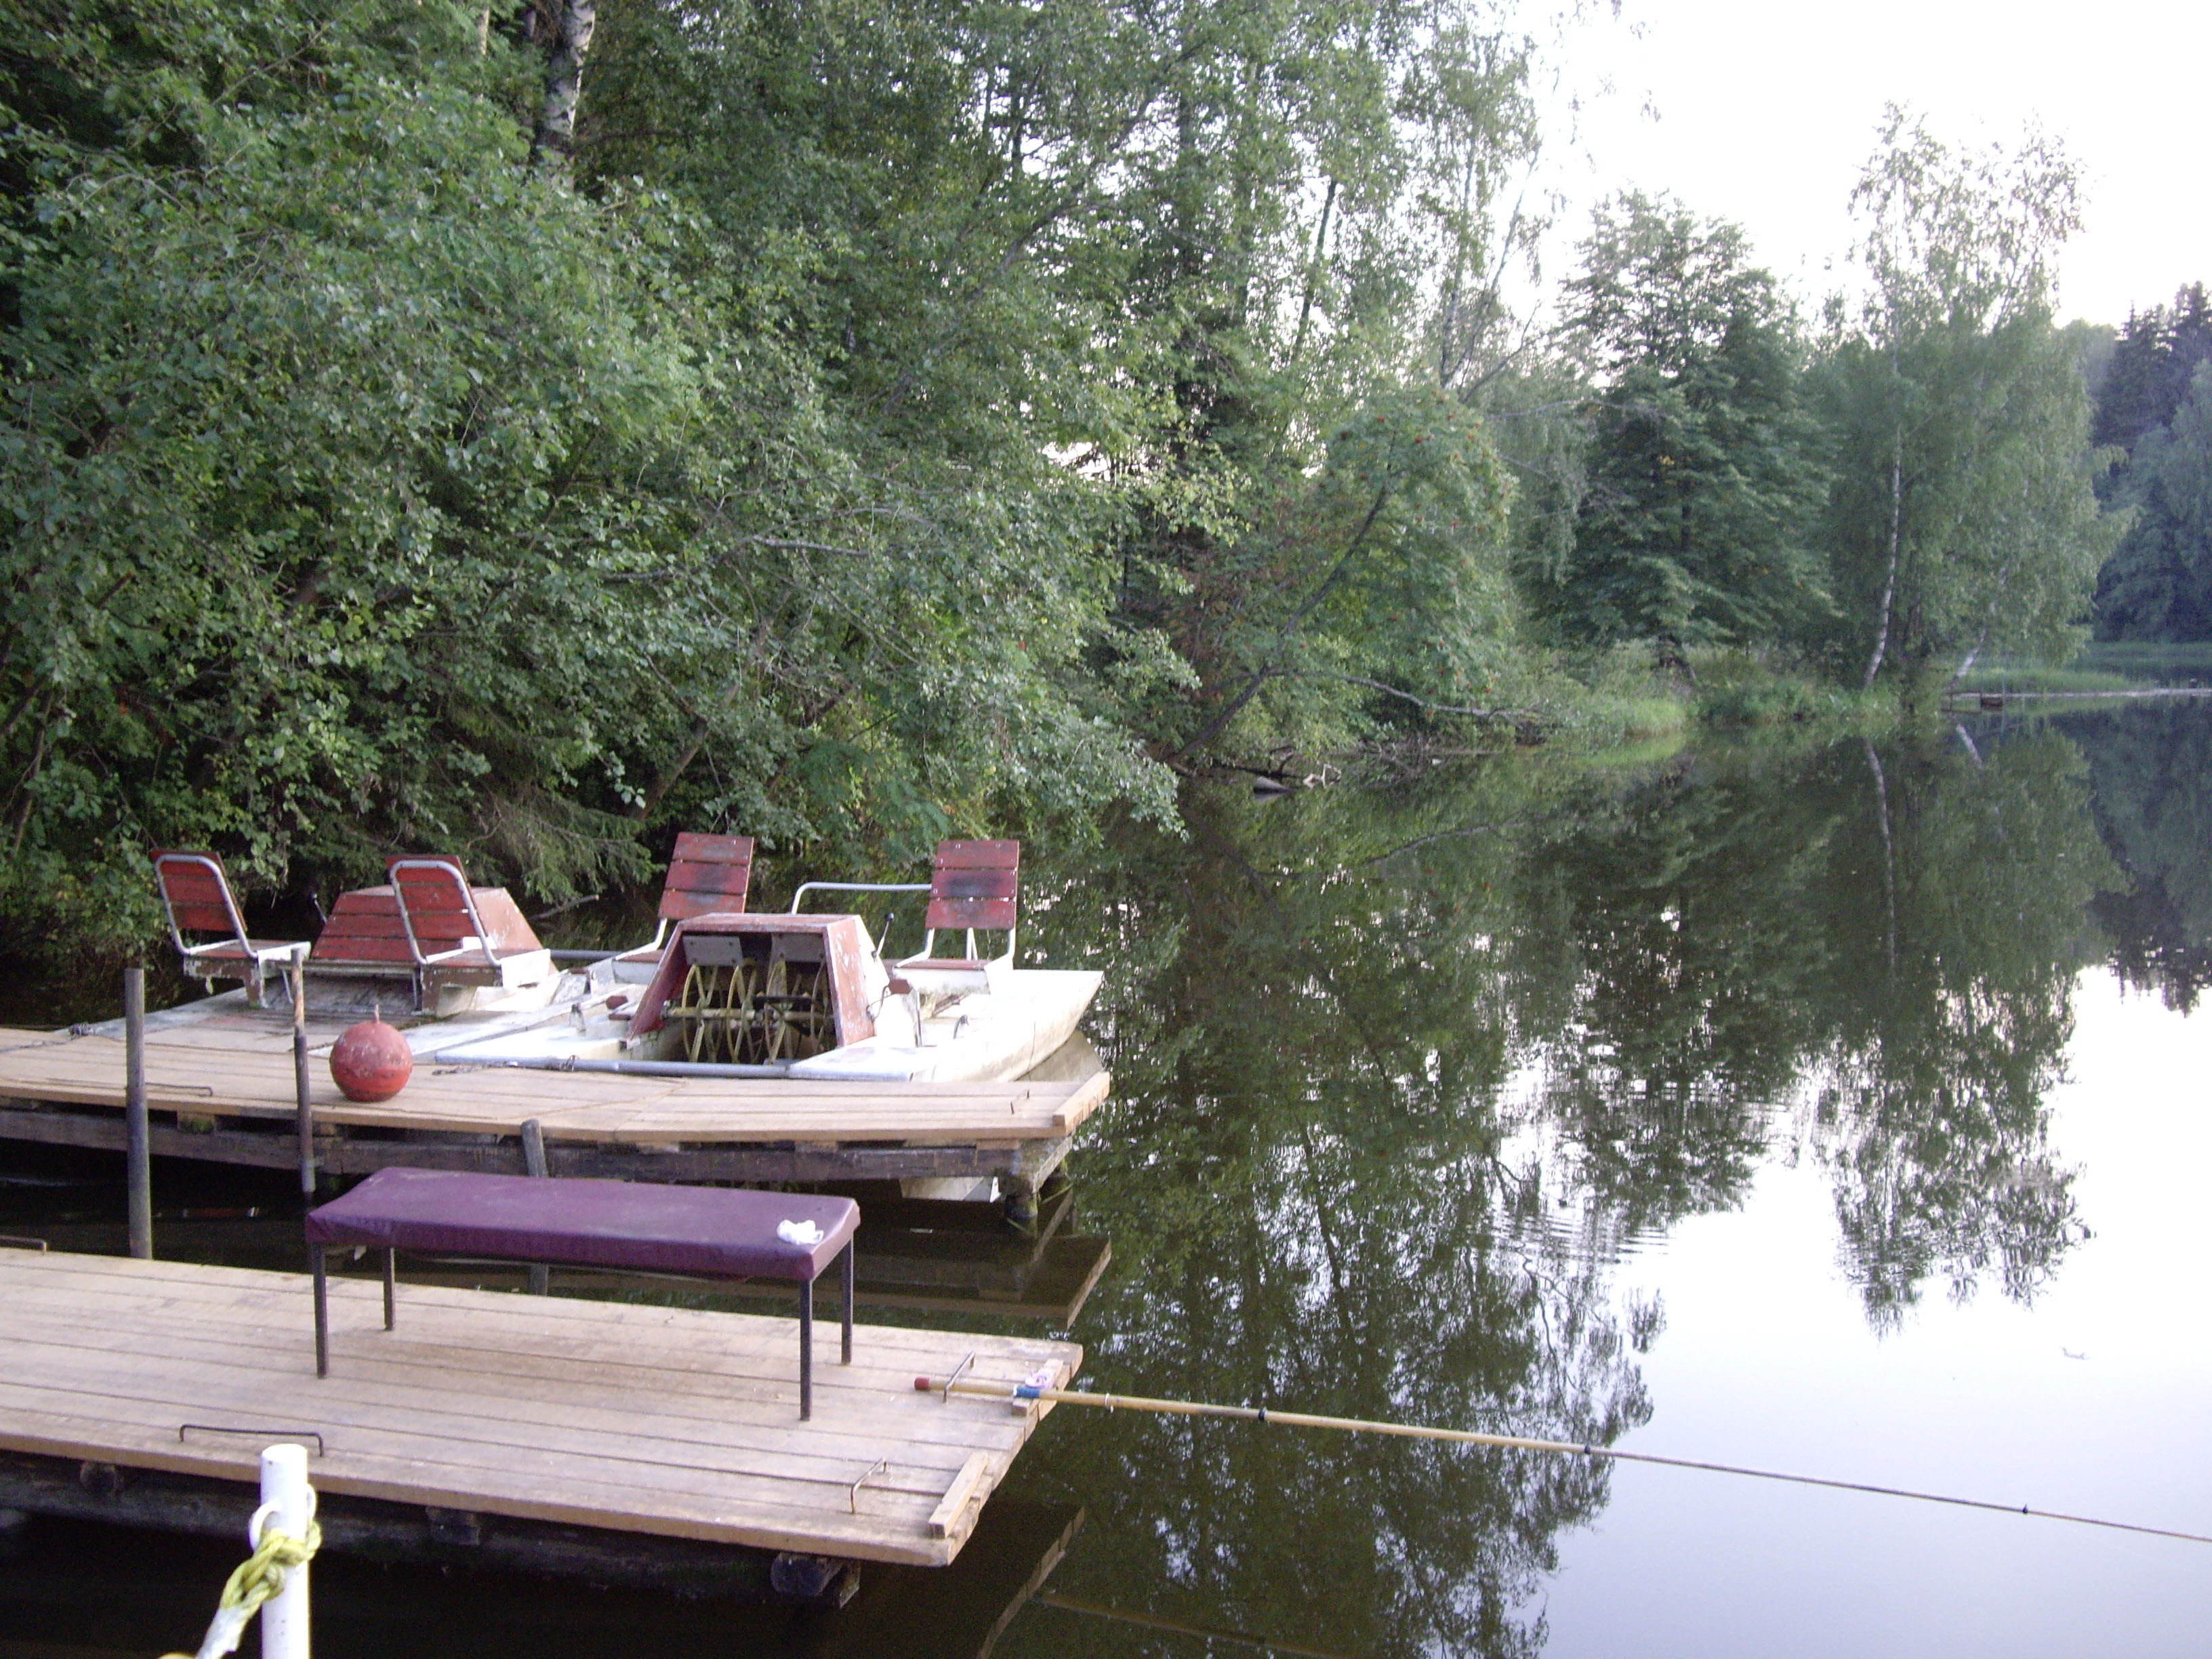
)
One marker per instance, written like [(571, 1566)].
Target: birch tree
[(1962, 517)]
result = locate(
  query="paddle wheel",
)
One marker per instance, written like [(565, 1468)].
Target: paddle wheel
[(770, 1001), (758, 990)]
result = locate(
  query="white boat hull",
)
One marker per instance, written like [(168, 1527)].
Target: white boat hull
[(985, 1037)]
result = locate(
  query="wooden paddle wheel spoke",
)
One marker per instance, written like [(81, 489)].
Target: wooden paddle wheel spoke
[(697, 990), (742, 1015)]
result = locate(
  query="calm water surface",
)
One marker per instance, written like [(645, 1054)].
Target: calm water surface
[(1840, 1110)]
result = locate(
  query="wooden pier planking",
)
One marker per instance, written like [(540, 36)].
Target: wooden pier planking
[(242, 1073), (621, 1416)]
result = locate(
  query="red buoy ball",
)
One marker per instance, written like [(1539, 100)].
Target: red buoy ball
[(371, 1062)]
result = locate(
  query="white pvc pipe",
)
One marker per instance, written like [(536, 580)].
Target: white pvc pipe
[(288, 1503)]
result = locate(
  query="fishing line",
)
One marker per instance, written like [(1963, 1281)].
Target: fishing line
[(1264, 1415)]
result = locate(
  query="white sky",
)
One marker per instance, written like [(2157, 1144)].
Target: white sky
[(1763, 114)]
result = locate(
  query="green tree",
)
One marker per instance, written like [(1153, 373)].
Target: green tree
[(1962, 516), (2151, 365), (368, 488), (1702, 474), (2158, 585)]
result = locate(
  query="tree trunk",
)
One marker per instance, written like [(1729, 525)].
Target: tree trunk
[(1889, 582), (1889, 849), (1313, 271), (564, 82)]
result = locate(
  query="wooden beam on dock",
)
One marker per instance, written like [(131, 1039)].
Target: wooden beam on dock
[(667, 1421), (222, 1092)]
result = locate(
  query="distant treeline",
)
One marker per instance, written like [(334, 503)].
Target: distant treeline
[(520, 431), (2154, 391)]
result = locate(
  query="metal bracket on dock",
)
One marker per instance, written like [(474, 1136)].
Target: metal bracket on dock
[(881, 1466), (946, 1395)]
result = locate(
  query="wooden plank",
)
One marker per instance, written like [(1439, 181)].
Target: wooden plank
[(947, 1512), (639, 1419)]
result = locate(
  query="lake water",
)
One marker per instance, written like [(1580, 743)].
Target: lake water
[(1840, 1110)]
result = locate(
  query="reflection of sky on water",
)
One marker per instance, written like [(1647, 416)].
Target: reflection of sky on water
[(1768, 1358)]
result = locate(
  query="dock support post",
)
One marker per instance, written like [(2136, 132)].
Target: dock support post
[(806, 1351), (306, 1104), (850, 1245), (316, 1265), (287, 1503), (137, 1141), (534, 1164)]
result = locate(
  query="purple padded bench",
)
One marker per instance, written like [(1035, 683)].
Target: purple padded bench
[(718, 1231)]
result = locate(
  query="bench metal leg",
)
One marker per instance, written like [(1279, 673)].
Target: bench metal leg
[(390, 1285), (806, 1351), (322, 1310), (847, 1358)]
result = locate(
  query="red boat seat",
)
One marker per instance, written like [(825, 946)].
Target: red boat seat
[(709, 875), (196, 892), (973, 885), (431, 926)]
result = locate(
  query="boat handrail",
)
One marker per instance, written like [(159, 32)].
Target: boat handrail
[(807, 887)]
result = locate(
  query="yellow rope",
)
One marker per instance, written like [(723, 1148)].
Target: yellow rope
[(259, 1578)]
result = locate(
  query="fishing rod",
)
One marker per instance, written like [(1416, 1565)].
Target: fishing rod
[(1263, 1415)]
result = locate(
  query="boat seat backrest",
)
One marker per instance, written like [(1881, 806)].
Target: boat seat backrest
[(196, 891), (707, 873), (975, 884), (436, 908), (207, 926)]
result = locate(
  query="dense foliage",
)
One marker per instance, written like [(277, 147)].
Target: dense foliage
[(525, 434)]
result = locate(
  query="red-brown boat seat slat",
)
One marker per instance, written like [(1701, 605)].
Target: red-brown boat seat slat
[(683, 907), (393, 951), (978, 855), (364, 927), (972, 913), (444, 887), (685, 877), (202, 918), (432, 897), (709, 873), (975, 884), (697, 847), (186, 885), (358, 924)]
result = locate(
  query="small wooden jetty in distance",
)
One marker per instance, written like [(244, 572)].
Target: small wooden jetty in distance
[(221, 1089), (629, 1418)]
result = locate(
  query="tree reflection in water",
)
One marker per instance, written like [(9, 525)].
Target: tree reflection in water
[(1398, 1080)]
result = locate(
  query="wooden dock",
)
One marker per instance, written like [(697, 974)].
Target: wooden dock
[(224, 1092), (639, 1419)]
